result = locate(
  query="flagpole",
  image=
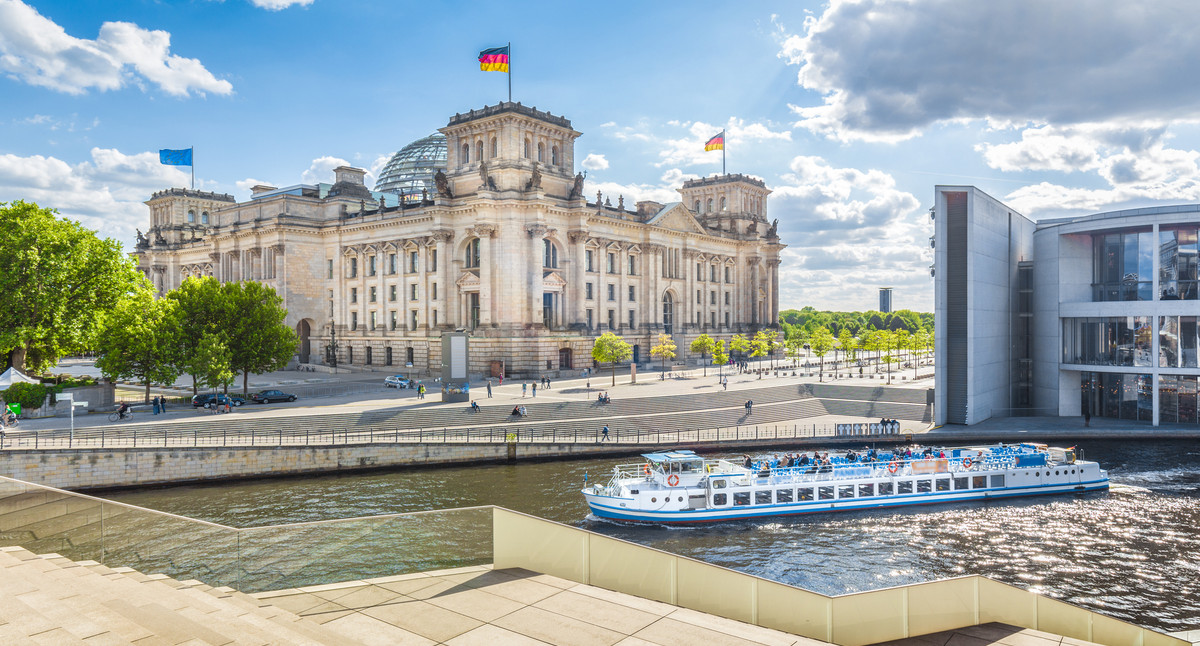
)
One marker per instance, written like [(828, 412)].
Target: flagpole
[(193, 156), (724, 144), (510, 71)]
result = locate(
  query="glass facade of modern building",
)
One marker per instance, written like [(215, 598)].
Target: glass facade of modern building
[(410, 171), (1177, 256), (1108, 341)]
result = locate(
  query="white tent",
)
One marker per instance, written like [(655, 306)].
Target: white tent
[(14, 376)]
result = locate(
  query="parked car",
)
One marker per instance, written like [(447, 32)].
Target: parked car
[(397, 381), (268, 396), (207, 400)]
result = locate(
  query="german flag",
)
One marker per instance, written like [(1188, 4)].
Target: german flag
[(494, 59), (716, 143)]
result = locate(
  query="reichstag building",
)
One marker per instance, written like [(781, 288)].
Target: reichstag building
[(483, 227)]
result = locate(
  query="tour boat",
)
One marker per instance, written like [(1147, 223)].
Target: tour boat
[(682, 487)]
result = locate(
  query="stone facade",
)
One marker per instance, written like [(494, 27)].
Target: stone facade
[(508, 249)]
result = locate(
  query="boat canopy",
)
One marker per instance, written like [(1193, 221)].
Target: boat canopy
[(671, 456)]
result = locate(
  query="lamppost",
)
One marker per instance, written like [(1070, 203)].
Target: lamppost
[(331, 350)]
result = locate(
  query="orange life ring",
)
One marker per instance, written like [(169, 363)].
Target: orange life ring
[(893, 467), (967, 463), (646, 469), (672, 480)]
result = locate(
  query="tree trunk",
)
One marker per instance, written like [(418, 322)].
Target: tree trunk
[(245, 381), (147, 401), (194, 390), (16, 358), (614, 374)]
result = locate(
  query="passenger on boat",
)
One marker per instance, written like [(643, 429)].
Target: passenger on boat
[(803, 460), (747, 462), (851, 456)]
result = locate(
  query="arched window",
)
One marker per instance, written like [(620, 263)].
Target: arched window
[(204, 218), (668, 305), (408, 355), (368, 355), (191, 217), (350, 354), (554, 156), (526, 152), (479, 149), (708, 205), (549, 254), (722, 204), (697, 209), (466, 154), (387, 355), (541, 152), (473, 253), (495, 148)]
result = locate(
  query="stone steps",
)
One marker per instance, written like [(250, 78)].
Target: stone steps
[(50, 599)]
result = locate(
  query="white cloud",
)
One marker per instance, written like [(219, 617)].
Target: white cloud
[(279, 5), (594, 162), (321, 169), (887, 69), (36, 50), (244, 186), (105, 193)]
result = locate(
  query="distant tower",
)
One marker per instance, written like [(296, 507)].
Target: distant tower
[(885, 299)]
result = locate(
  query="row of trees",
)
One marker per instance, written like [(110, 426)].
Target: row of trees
[(805, 321), (208, 330), (612, 349), (886, 344)]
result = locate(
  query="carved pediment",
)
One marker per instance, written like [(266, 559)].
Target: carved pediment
[(677, 218), (468, 281), (592, 243), (634, 249), (554, 280), (410, 245), (389, 246)]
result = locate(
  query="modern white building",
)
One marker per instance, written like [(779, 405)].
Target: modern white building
[(1095, 313)]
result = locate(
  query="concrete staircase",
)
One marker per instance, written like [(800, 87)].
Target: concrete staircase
[(49, 599)]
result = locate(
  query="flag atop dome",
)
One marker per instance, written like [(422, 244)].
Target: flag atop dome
[(494, 59), (716, 143)]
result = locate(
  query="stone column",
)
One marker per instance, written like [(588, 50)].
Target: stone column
[(773, 292), (446, 291), (536, 233), (578, 278), (485, 233)]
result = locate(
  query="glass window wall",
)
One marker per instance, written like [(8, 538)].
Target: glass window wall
[(1177, 342), (1108, 341), (1123, 266), (1177, 399), (1177, 256), (1118, 395)]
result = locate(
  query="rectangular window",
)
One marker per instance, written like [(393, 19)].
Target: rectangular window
[(433, 260), (712, 298), (846, 491), (612, 263), (329, 268), (587, 291), (612, 292), (904, 486), (412, 292), (866, 490), (924, 485), (699, 274), (941, 484), (726, 298), (392, 293), (391, 263), (804, 494), (719, 499), (353, 320), (885, 488), (612, 319), (353, 294), (590, 322), (741, 498), (631, 320), (374, 322), (433, 292), (632, 266), (712, 273), (392, 325), (728, 275), (631, 291), (412, 320), (435, 322), (824, 493), (589, 260), (712, 318), (998, 481), (762, 497), (962, 483), (698, 299), (979, 482), (372, 294), (783, 496), (726, 319), (354, 267), (370, 265)]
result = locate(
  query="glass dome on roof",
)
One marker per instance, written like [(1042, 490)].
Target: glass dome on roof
[(413, 167)]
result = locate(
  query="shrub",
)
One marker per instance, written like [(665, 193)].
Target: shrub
[(29, 396)]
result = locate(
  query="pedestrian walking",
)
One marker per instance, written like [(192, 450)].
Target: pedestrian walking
[(501, 380), (524, 388), (724, 383), (421, 391), (534, 389), (604, 433), (228, 404), (749, 405), (547, 383), (154, 404), (489, 388), (162, 405)]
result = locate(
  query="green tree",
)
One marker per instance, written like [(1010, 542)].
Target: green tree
[(793, 345), (259, 341), (58, 278), (703, 346), (739, 345), (664, 350), (137, 339), (760, 345), (210, 363), (201, 308), (610, 348), (720, 357), (821, 342)]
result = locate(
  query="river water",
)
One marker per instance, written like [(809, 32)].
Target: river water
[(1132, 552)]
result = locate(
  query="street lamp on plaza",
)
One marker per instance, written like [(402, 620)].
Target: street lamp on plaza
[(331, 350)]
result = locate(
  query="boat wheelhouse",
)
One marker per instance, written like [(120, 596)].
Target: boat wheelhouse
[(683, 487)]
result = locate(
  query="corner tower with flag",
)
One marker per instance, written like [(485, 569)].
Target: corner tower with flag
[(496, 59)]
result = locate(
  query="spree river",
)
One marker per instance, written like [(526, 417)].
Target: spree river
[(1132, 552)]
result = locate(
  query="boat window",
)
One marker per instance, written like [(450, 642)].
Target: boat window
[(762, 497), (979, 482), (885, 488), (654, 500), (924, 485), (846, 491), (804, 493), (719, 499), (741, 498), (866, 490), (783, 495), (718, 484), (962, 483), (998, 480), (825, 493), (904, 486), (942, 484)]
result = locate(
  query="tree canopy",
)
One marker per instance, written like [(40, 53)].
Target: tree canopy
[(664, 350), (610, 348), (804, 321), (704, 346), (59, 278), (138, 339)]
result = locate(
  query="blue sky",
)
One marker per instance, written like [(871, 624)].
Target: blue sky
[(850, 110)]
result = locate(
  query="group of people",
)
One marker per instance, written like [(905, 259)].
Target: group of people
[(517, 411), (603, 398), (159, 404)]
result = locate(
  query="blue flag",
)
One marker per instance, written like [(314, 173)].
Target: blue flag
[(175, 157)]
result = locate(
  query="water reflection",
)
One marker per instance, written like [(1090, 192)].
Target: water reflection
[(1131, 553)]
